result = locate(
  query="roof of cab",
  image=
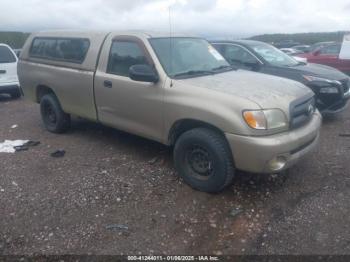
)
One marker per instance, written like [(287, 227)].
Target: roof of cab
[(77, 33)]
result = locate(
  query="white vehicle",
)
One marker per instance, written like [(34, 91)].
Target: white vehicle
[(293, 52), (290, 51), (300, 59), (8, 72)]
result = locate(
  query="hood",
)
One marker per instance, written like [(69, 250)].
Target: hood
[(265, 90), (320, 71)]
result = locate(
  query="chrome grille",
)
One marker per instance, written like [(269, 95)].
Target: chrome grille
[(345, 85), (301, 112)]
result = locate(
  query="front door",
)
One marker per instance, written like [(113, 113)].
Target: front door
[(135, 107)]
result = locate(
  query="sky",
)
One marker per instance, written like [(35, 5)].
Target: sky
[(228, 18)]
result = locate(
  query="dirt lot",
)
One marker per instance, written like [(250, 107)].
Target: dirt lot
[(114, 193)]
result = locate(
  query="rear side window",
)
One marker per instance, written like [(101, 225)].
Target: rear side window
[(6, 56), (62, 49), (123, 55)]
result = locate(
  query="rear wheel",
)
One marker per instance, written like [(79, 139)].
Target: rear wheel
[(54, 118), (203, 159)]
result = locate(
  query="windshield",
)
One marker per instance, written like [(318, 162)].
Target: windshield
[(6, 56), (188, 56), (273, 56)]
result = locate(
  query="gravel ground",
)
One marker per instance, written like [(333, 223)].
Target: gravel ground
[(115, 193)]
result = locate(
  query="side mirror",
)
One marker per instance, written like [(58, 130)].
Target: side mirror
[(317, 52), (143, 73), (255, 66)]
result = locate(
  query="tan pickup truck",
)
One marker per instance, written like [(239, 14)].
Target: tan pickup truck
[(176, 90)]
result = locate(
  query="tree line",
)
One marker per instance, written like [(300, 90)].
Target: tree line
[(303, 38), (14, 39)]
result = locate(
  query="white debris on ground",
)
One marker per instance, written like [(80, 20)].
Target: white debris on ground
[(8, 146), (14, 126)]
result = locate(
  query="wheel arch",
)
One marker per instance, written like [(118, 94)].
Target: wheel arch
[(184, 125), (42, 90)]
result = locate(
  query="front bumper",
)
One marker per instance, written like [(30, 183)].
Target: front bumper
[(254, 154), (329, 103), (337, 107), (9, 87)]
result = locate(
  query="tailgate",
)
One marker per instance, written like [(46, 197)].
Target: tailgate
[(8, 73)]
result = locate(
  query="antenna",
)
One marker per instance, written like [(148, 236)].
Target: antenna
[(170, 46)]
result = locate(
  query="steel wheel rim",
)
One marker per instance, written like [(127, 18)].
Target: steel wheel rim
[(50, 114), (199, 162)]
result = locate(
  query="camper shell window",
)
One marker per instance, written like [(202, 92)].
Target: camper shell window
[(71, 50)]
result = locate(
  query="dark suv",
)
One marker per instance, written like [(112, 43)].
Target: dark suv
[(329, 84)]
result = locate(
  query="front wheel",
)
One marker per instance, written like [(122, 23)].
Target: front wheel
[(54, 118), (203, 159)]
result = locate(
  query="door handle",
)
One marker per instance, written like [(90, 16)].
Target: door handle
[(107, 84)]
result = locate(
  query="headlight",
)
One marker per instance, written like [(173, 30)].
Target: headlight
[(265, 119), (329, 90), (320, 79)]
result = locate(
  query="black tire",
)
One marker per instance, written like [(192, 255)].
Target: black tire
[(16, 94), (204, 160), (54, 118)]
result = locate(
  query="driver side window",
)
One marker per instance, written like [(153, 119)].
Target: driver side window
[(238, 55), (123, 55)]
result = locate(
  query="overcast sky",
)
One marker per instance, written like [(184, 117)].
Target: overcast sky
[(234, 18)]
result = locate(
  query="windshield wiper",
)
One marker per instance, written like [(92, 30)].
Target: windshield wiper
[(205, 72), (230, 67), (194, 72)]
